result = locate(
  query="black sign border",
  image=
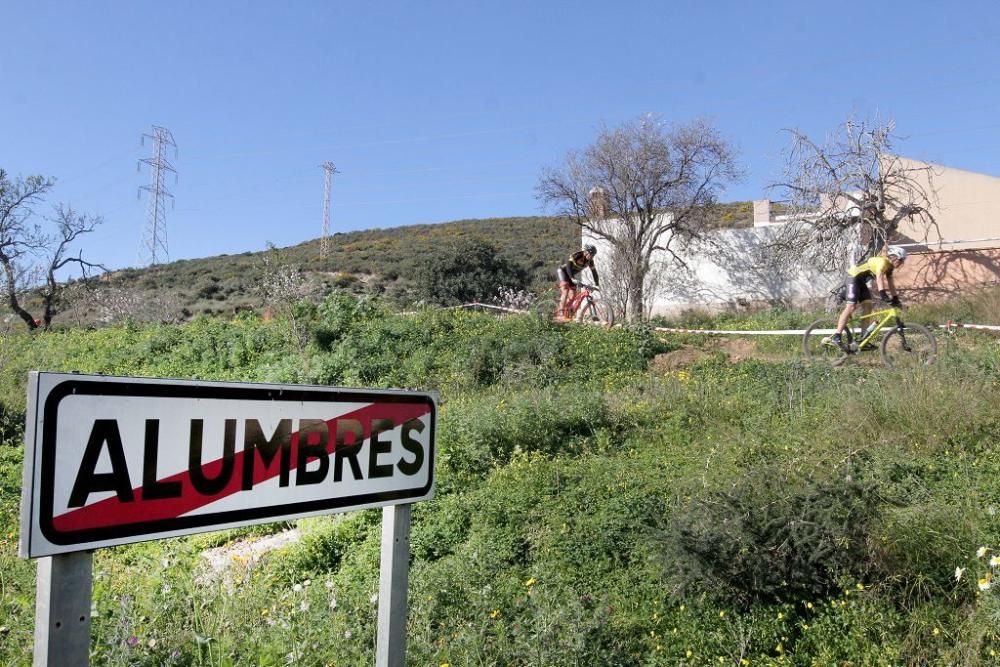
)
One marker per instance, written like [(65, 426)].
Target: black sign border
[(149, 530)]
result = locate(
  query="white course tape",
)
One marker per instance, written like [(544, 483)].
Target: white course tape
[(981, 327), (777, 332), (734, 332), (799, 332)]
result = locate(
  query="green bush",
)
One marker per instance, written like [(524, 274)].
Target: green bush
[(770, 537), (467, 271)]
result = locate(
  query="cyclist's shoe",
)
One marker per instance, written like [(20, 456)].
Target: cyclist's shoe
[(836, 339)]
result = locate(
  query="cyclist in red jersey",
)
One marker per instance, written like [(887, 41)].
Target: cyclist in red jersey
[(577, 262)]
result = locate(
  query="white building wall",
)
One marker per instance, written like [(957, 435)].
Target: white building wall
[(730, 268)]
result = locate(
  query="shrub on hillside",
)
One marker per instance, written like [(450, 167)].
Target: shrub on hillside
[(469, 270), (770, 537)]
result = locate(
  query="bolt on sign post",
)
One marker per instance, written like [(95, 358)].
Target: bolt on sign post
[(114, 460)]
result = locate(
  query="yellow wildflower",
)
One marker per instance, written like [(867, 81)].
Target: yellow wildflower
[(531, 582), (494, 613)]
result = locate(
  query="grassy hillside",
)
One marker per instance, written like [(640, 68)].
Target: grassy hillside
[(594, 505), (377, 261)]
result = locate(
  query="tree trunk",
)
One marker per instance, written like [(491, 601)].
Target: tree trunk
[(637, 296), (12, 298)]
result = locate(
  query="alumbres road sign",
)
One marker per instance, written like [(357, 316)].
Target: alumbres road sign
[(113, 460)]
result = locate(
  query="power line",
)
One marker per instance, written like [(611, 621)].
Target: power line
[(155, 237)]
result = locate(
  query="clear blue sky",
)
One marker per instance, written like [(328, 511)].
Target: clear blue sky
[(436, 111)]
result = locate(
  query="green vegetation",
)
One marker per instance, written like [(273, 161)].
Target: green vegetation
[(592, 506), (386, 262), (470, 271)]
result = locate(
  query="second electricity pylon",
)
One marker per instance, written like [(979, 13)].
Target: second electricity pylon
[(324, 243), (154, 239)]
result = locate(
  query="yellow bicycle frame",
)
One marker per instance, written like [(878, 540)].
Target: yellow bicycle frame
[(886, 315)]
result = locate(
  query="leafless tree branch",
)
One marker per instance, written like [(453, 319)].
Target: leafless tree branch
[(851, 189), (657, 181), (28, 257)]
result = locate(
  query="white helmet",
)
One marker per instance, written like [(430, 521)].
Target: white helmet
[(897, 251)]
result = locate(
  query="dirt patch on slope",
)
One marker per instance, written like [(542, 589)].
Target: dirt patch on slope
[(677, 359), (735, 349)]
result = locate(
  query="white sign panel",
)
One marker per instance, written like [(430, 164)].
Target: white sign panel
[(113, 460)]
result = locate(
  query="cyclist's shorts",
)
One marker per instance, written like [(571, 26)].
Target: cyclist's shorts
[(856, 290), (565, 280)]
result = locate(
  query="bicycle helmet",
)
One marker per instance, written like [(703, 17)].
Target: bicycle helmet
[(897, 252), (592, 249)]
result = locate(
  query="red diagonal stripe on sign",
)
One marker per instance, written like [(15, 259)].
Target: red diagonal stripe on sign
[(113, 512)]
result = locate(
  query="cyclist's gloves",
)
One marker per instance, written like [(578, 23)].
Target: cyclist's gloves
[(895, 302)]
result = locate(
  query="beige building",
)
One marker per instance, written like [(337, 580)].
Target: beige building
[(960, 251), (735, 267), (963, 250)]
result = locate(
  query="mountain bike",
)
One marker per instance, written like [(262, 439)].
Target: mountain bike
[(902, 345), (584, 306)]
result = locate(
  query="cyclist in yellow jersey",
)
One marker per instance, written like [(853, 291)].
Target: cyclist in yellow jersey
[(577, 262), (856, 289)]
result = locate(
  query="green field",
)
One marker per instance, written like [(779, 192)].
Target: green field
[(598, 502)]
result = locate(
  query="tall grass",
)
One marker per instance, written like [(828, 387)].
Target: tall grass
[(589, 511)]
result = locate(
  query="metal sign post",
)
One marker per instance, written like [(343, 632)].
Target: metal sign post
[(62, 610), (394, 569)]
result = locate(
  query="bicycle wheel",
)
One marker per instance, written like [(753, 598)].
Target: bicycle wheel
[(544, 308), (587, 312), (915, 347), (817, 343)]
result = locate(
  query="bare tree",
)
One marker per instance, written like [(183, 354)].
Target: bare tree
[(113, 304), (852, 189), (70, 225), (281, 288), (30, 258), (18, 238), (657, 184)]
